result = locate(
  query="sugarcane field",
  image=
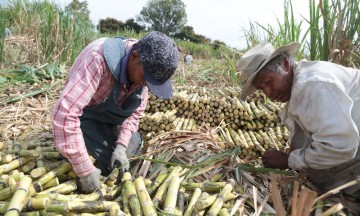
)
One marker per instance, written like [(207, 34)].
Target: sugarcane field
[(202, 150)]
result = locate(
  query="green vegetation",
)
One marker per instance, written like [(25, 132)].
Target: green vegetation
[(2, 36), (79, 10), (167, 16), (333, 31), (112, 26), (46, 34), (188, 34), (57, 35), (337, 39)]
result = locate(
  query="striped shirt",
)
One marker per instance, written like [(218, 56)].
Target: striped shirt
[(89, 83)]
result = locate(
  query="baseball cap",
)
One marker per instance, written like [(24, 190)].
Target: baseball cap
[(159, 56)]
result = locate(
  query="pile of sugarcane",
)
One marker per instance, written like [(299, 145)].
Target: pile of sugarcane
[(36, 180), (186, 173), (197, 160), (252, 125), (212, 181)]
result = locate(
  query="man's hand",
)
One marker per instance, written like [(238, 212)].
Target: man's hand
[(275, 159), (119, 159), (88, 184)]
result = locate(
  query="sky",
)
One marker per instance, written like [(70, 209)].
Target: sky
[(223, 20)]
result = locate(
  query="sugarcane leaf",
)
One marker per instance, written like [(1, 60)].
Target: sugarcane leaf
[(166, 156), (167, 163), (249, 168), (3, 79), (221, 156), (31, 93)]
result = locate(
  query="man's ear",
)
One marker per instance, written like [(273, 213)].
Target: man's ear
[(287, 65), (134, 56)]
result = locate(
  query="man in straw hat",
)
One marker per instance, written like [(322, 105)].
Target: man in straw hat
[(322, 113), (104, 96)]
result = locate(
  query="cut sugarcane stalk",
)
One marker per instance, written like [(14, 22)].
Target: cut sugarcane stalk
[(161, 192), (18, 200), (65, 167), (14, 164), (132, 197), (194, 198), (220, 199), (171, 197), (144, 197)]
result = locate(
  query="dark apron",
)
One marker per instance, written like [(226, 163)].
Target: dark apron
[(99, 123)]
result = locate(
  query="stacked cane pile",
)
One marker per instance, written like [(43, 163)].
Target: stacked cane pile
[(252, 125), (199, 165), (36, 180)]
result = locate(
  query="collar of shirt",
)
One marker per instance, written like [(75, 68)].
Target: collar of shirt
[(129, 46)]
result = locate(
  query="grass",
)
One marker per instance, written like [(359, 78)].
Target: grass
[(2, 34), (216, 72), (289, 31), (52, 35), (58, 35), (333, 31)]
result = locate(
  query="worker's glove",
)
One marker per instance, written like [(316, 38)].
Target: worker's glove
[(88, 184), (119, 159)]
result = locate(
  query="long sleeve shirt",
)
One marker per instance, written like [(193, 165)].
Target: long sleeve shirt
[(89, 83), (323, 115)]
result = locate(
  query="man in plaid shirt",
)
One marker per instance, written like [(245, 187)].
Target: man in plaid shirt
[(105, 94)]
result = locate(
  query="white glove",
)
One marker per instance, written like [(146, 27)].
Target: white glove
[(119, 159), (88, 184)]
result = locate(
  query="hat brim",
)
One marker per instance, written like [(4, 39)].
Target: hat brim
[(159, 89), (248, 87)]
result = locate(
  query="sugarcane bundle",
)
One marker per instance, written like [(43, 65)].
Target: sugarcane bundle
[(200, 185), (193, 106), (223, 197), (193, 158), (54, 196), (198, 105), (190, 150), (26, 200)]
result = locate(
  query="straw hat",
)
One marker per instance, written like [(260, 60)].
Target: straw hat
[(256, 58)]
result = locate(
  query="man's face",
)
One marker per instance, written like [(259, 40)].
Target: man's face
[(135, 70), (275, 86)]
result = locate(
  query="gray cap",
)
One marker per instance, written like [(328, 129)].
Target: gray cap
[(256, 58), (159, 56)]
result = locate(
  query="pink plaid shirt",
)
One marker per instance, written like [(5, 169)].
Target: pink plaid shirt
[(89, 83)]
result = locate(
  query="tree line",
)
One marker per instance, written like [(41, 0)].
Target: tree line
[(167, 16)]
